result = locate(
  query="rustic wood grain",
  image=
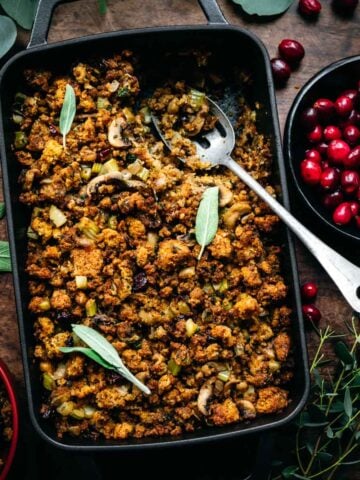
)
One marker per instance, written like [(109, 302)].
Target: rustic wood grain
[(329, 38)]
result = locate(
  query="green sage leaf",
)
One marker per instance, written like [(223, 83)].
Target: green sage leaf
[(207, 218), (264, 7), (8, 34), (89, 353), (67, 113), (343, 353), (22, 11), (102, 7), (348, 406), (2, 210), (5, 259), (104, 348)]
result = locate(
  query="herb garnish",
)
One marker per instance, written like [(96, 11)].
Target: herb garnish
[(102, 352), (2, 210), (326, 436), (68, 111), (5, 260), (207, 218)]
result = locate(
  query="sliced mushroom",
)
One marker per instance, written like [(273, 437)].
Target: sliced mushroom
[(247, 409), (226, 196), (114, 133), (236, 211), (124, 177), (205, 393)]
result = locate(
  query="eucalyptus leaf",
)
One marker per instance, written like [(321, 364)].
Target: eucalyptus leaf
[(105, 349), (67, 113), (329, 432), (22, 11), (5, 260), (343, 353), (207, 218), (2, 210), (264, 7), (89, 353), (348, 406), (8, 34)]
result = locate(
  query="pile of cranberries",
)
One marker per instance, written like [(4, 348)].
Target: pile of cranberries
[(309, 291), (291, 53), (332, 160)]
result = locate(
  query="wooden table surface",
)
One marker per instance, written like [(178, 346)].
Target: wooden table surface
[(328, 39)]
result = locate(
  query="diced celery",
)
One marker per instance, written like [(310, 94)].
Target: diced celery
[(57, 216), (173, 367)]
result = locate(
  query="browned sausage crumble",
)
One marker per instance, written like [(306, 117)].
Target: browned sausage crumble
[(112, 246)]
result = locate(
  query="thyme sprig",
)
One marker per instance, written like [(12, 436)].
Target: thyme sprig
[(327, 432)]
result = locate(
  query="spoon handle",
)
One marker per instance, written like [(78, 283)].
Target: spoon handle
[(345, 274)]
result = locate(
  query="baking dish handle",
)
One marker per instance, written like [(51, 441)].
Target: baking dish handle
[(46, 8)]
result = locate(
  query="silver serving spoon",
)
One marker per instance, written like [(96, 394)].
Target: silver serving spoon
[(220, 143)]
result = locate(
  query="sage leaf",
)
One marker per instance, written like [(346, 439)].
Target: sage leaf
[(264, 7), (348, 407), (102, 7), (207, 218), (2, 210), (89, 353), (8, 34), (104, 348), (67, 113), (5, 260), (22, 11)]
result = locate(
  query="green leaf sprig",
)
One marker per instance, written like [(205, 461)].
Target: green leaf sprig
[(67, 113), (264, 7), (5, 259), (207, 218), (102, 352), (102, 7), (8, 34), (326, 435)]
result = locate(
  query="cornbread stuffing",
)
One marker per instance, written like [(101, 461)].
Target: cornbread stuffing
[(111, 245)]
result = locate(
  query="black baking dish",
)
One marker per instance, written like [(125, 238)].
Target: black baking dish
[(224, 40)]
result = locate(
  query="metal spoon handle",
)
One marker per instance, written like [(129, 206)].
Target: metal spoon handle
[(345, 274)]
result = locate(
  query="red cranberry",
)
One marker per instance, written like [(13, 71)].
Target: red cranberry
[(351, 93), (352, 119), (313, 154), (322, 148), (309, 118), (325, 107), (332, 133), (332, 200), (353, 159), (311, 313), (330, 178), (355, 208), (315, 135), (338, 151), (351, 134), (346, 6), (291, 50), (309, 8), (104, 154), (342, 214), (343, 105), (309, 291), (310, 172), (350, 181), (280, 69)]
